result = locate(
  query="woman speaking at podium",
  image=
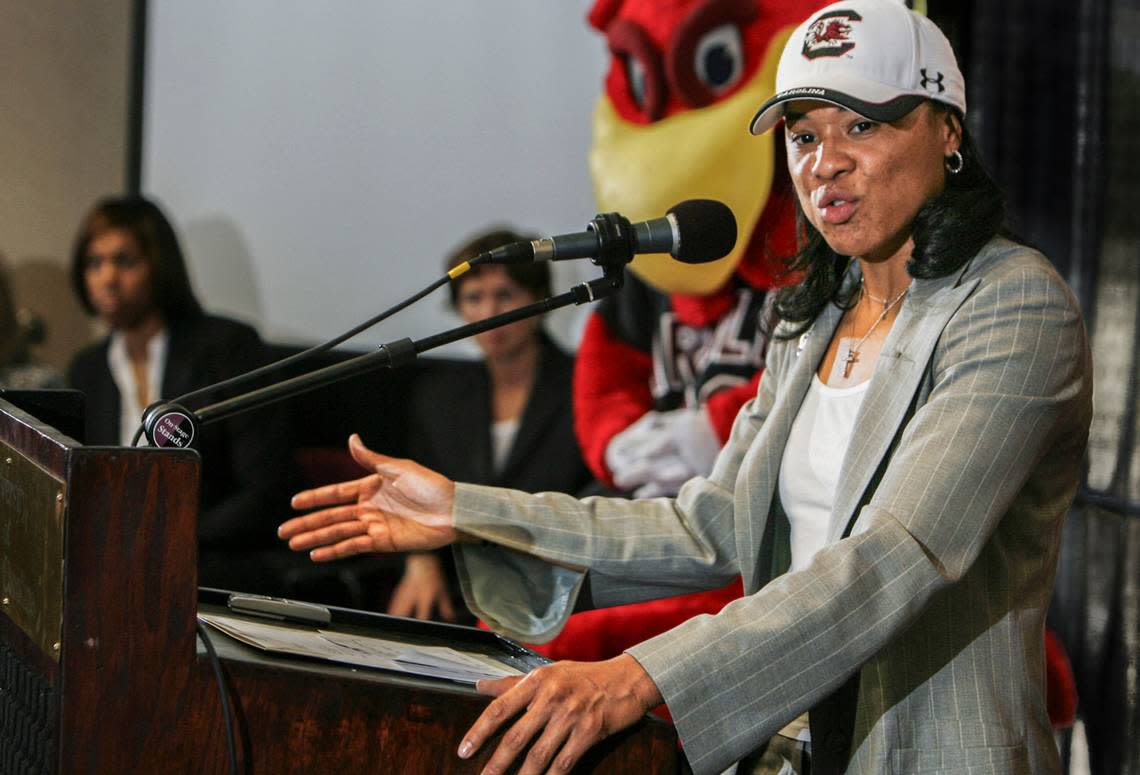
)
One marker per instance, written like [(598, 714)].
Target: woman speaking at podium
[(892, 496)]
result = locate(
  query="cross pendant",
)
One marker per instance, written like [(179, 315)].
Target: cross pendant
[(849, 359)]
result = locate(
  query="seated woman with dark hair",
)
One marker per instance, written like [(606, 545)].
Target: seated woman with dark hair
[(127, 268), (505, 420)]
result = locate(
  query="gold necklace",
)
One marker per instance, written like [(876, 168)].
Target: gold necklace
[(852, 354), (863, 290)]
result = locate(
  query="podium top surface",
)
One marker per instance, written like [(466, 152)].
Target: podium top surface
[(469, 640)]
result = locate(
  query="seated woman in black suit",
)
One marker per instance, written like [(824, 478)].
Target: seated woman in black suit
[(505, 420), (127, 268)]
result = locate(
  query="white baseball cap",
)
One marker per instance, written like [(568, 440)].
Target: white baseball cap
[(875, 57)]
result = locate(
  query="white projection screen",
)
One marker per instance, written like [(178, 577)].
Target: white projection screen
[(319, 159)]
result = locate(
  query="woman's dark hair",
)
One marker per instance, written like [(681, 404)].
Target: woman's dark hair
[(534, 277), (948, 231), (145, 222)]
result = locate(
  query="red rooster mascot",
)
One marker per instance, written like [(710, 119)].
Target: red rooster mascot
[(665, 365)]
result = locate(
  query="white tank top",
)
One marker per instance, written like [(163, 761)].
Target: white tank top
[(503, 435), (809, 471), (809, 475)]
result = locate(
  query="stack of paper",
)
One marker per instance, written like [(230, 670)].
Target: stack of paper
[(367, 651)]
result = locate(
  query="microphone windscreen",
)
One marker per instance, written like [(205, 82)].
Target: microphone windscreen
[(706, 229)]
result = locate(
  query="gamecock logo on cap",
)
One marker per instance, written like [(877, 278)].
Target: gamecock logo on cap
[(830, 34)]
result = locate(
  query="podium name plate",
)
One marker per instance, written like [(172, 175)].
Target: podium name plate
[(31, 565)]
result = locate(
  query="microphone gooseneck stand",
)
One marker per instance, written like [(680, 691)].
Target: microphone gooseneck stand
[(171, 424), (250, 376)]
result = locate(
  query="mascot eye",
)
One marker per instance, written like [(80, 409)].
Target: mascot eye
[(636, 77), (706, 58), (635, 82), (719, 58)]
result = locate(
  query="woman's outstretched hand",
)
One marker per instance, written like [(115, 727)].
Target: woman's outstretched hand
[(565, 708), (402, 507)]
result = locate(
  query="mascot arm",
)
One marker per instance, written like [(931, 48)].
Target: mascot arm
[(611, 391), (724, 405)]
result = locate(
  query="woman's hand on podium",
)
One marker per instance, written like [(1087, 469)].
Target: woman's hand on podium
[(403, 507), (565, 708)]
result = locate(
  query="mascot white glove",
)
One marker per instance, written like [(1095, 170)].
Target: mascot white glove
[(661, 451)]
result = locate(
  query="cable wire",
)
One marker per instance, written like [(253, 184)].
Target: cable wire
[(223, 686)]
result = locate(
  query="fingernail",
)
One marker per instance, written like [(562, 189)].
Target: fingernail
[(465, 749)]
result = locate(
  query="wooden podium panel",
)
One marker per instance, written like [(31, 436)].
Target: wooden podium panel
[(99, 697), (372, 721), (125, 685)]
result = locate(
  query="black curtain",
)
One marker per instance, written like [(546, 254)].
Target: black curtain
[(1054, 101)]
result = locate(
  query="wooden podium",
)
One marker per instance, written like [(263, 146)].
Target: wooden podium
[(101, 670)]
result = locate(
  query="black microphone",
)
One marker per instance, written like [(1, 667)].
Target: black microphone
[(694, 231)]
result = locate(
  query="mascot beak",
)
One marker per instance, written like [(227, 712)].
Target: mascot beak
[(706, 153)]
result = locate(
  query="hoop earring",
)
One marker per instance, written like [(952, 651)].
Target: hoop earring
[(955, 162)]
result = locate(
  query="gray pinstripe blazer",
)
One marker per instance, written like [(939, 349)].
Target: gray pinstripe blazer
[(963, 461)]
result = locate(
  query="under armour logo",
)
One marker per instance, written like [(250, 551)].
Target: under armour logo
[(929, 83)]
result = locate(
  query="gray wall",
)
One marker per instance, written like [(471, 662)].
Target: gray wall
[(321, 158), (63, 118)]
